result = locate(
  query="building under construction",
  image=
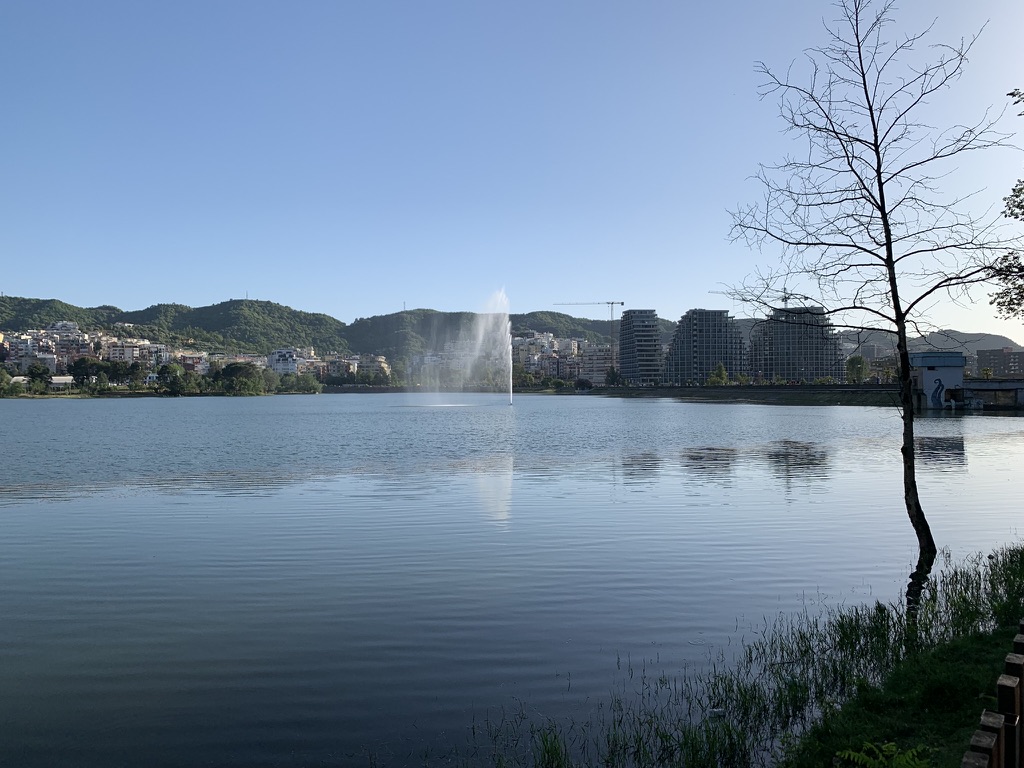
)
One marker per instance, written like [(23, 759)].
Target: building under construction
[(703, 339), (795, 344)]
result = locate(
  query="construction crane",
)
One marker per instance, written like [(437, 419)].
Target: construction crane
[(611, 316)]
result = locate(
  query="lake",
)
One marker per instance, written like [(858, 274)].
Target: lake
[(318, 580)]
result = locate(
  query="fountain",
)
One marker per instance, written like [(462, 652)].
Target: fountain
[(471, 354), (493, 340)]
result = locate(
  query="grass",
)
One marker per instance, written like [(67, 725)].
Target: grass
[(807, 687), (932, 700)]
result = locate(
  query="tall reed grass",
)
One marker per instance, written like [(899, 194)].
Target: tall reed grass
[(749, 708)]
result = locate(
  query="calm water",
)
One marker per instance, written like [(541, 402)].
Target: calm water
[(308, 580)]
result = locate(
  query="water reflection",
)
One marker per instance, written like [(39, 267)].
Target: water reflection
[(794, 459), (641, 467), (941, 453), (218, 482), (494, 484), (711, 462)]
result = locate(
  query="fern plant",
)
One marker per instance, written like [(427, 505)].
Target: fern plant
[(885, 756)]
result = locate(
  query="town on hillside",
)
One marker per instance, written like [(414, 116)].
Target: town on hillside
[(793, 345)]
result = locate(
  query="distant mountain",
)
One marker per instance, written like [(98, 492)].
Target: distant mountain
[(953, 341), (244, 325), (960, 341), (236, 325)]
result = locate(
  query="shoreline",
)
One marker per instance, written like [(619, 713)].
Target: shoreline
[(824, 395)]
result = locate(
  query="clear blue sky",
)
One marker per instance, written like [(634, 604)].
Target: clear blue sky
[(357, 157)]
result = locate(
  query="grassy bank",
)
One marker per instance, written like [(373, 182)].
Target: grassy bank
[(805, 688)]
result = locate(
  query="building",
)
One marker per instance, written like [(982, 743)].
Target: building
[(703, 338), (937, 379), (285, 361), (1005, 363), (795, 344), (640, 356), (595, 362)]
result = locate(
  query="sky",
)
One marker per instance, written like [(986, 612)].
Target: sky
[(358, 158)]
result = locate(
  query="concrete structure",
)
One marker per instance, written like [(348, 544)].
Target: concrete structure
[(284, 361), (994, 394), (937, 379), (374, 364), (796, 344), (703, 339), (126, 351), (640, 354), (595, 360)]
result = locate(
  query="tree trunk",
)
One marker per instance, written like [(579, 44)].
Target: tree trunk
[(926, 544)]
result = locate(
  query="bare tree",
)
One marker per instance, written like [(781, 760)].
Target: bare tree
[(859, 217)]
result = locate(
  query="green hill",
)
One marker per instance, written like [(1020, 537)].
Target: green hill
[(17, 314), (260, 326), (238, 325), (244, 325)]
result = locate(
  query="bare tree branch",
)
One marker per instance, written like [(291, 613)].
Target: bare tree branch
[(860, 219)]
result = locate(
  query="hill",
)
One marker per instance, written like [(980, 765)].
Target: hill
[(21, 314), (237, 325), (953, 341), (245, 325), (240, 324)]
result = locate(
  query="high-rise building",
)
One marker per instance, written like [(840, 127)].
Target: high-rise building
[(640, 357), (795, 344), (703, 339), (1005, 363)]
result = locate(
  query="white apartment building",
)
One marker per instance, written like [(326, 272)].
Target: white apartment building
[(284, 361)]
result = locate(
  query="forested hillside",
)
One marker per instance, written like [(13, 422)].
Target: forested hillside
[(238, 325), (245, 325)]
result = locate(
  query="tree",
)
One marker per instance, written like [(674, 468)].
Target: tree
[(718, 377), (137, 374), (171, 377), (862, 225), (1009, 272), (119, 371), (856, 369), (38, 373), (271, 380), (240, 379), (81, 370)]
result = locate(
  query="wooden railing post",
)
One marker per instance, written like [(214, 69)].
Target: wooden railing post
[(1008, 697), (987, 744), (995, 723), (999, 742)]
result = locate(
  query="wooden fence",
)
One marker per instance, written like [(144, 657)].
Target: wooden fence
[(999, 740)]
